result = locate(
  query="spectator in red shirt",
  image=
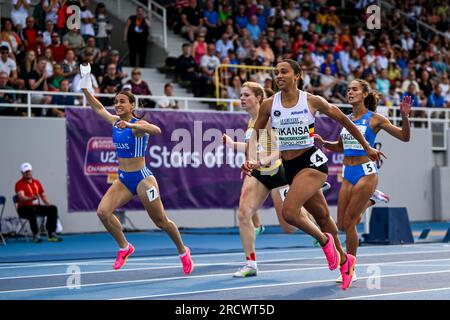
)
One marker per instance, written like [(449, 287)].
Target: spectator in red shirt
[(58, 48), (30, 195), (29, 34)]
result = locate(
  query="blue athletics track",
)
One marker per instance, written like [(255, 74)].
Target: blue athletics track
[(291, 267)]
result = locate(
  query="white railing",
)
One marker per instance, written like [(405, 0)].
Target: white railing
[(437, 120)]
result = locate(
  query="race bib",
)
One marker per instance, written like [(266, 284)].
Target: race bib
[(369, 168), (318, 158), (152, 194), (349, 142)]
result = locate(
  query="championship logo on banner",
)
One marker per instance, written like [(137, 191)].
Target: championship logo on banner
[(193, 168)]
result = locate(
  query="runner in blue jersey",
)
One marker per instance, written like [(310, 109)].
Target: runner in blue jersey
[(360, 173), (130, 136)]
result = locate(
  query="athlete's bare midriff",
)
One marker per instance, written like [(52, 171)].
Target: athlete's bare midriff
[(354, 161), (131, 164), (292, 154)]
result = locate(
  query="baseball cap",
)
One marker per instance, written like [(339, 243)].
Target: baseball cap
[(114, 52), (24, 167), (126, 86)]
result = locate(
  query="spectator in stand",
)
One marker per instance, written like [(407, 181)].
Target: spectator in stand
[(383, 83), (211, 21), (304, 20), (407, 40), (241, 18), (29, 34), (115, 58), (208, 64), (234, 90), (393, 98), (87, 20), (358, 39), (39, 14), (262, 18), (329, 62), (140, 87), (96, 69), (137, 30), (339, 89), (243, 50), (223, 45), (415, 102), (39, 45), (326, 83), (439, 65), (47, 34), (37, 80), (91, 46), (254, 59), (11, 37), (186, 69), (27, 65), (168, 102), (74, 40), (9, 98), (61, 100), (111, 84), (33, 202), (425, 84), (48, 55), (265, 51), (199, 47), (103, 27), (192, 20), (9, 66), (253, 28), (70, 65), (284, 33), (19, 13), (344, 59), (55, 80), (51, 11), (58, 49), (436, 100), (292, 11), (411, 80), (444, 84)]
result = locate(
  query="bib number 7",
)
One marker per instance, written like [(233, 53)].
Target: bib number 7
[(318, 158)]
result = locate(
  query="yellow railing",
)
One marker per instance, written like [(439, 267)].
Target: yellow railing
[(224, 73)]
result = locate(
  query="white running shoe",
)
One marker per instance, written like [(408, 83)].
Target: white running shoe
[(246, 271), (379, 196), (326, 186), (354, 278), (259, 230)]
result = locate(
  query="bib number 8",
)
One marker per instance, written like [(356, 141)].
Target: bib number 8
[(318, 158), (369, 168)]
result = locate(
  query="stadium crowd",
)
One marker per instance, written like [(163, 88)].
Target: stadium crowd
[(332, 44)]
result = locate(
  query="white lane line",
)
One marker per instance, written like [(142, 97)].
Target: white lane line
[(260, 252), (297, 250), (205, 276), (269, 286), (396, 294), (231, 263)]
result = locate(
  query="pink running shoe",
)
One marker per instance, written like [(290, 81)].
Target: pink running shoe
[(331, 253), (188, 264), (122, 257), (347, 271)]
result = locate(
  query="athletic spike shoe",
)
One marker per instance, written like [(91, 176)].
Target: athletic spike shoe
[(326, 186), (259, 230), (186, 260), (331, 253), (122, 257), (347, 270), (354, 278), (379, 196), (246, 271)]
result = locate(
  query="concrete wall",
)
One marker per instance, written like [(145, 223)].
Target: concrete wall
[(406, 176)]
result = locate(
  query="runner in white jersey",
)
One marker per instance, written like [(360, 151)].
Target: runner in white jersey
[(292, 113)]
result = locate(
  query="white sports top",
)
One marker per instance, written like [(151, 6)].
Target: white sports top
[(295, 126)]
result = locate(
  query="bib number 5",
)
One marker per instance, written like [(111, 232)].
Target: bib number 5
[(318, 158), (369, 168)]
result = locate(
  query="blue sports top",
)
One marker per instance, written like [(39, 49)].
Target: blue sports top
[(127, 144), (352, 148)]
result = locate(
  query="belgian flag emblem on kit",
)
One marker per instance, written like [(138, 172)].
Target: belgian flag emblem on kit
[(311, 130)]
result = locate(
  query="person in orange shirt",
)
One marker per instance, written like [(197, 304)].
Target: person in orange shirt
[(30, 196)]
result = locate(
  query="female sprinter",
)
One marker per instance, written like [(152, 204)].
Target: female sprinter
[(130, 136), (292, 114), (267, 179), (359, 172)]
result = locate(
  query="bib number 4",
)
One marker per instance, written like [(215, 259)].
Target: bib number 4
[(318, 158)]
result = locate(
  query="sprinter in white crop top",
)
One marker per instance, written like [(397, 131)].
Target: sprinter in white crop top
[(292, 112)]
